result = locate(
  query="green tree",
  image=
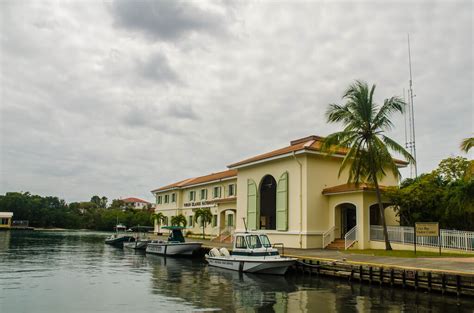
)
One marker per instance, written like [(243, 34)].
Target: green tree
[(467, 144), (205, 216), (453, 169), (430, 198), (96, 200), (99, 202), (117, 204), (159, 218), (178, 220), (103, 202), (368, 157)]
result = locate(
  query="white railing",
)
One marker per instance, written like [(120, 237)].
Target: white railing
[(350, 237), (450, 239), (328, 236)]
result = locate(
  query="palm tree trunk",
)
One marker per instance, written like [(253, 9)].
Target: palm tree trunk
[(382, 215), (203, 228)]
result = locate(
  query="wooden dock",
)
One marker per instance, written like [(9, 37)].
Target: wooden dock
[(429, 280)]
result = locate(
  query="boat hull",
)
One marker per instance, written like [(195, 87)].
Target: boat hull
[(180, 248), (136, 245), (275, 266), (118, 241)]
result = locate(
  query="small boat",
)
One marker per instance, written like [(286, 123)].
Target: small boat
[(139, 244), (141, 240), (119, 237), (175, 245), (252, 253)]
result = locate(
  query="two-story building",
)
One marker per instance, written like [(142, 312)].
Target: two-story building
[(295, 194), (215, 191)]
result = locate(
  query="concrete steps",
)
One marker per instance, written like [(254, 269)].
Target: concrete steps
[(338, 244), (226, 238)]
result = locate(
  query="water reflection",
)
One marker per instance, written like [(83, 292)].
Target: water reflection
[(76, 272), (203, 286)]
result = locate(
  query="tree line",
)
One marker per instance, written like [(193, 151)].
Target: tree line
[(50, 211), (446, 195)]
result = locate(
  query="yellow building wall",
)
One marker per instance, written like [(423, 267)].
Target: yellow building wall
[(322, 172), (275, 168)]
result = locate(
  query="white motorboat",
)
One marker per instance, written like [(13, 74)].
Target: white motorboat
[(175, 245), (252, 253), (141, 240)]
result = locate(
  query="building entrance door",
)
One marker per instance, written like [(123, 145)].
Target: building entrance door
[(349, 218)]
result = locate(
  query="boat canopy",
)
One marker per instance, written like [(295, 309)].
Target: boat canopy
[(141, 228), (176, 234)]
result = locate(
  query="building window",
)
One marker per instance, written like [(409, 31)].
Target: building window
[(191, 221), (214, 221), (203, 194), (230, 220), (158, 200), (165, 221), (217, 192), (231, 190), (173, 197), (192, 195), (167, 198)]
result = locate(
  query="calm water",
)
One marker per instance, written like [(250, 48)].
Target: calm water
[(76, 272)]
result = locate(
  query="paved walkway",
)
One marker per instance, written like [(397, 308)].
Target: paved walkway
[(463, 265)]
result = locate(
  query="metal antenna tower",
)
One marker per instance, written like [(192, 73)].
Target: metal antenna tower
[(410, 142)]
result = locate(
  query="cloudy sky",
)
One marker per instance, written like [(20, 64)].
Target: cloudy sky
[(117, 98)]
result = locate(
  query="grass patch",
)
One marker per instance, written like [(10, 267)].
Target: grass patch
[(408, 253)]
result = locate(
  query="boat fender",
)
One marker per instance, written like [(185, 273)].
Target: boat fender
[(214, 252), (224, 252)]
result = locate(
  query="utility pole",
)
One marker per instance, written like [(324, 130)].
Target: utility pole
[(410, 142)]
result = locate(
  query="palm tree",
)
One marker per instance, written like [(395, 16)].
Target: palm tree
[(467, 144), (178, 220), (159, 218), (206, 217), (368, 157)]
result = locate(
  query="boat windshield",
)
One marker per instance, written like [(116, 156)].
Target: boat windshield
[(265, 241), (253, 242)]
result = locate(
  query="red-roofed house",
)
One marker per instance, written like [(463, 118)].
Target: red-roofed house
[(136, 203)]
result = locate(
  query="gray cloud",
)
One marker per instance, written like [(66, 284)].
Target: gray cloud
[(87, 107), (168, 19), (157, 69)]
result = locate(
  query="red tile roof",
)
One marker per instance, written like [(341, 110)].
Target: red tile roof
[(199, 180), (129, 200), (350, 187), (310, 143)]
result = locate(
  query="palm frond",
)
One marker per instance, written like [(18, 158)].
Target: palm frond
[(390, 106), (467, 144), (396, 147)]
